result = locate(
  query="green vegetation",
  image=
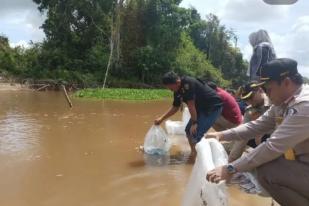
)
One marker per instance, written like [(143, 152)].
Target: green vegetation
[(125, 94), (139, 40)]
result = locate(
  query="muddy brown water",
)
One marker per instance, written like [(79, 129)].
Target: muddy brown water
[(51, 155)]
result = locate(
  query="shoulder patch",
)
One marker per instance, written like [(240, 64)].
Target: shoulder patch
[(291, 112)]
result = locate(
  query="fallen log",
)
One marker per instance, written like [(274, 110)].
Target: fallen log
[(43, 87)]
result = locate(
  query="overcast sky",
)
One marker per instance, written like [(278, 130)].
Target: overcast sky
[(20, 21), (288, 26)]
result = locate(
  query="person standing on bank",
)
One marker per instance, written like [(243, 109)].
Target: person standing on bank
[(282, 162), (204, 105), (263, 52)]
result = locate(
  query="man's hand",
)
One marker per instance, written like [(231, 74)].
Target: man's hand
[(218, 174), (216, 135), (193, 129), (158, 121)]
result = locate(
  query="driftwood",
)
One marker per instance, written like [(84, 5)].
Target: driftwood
[(42, 87), (67, 96)]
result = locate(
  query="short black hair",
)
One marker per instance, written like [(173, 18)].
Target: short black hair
[(212, 85), (170, 78)]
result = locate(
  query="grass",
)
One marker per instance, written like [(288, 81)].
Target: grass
[(124, 94)]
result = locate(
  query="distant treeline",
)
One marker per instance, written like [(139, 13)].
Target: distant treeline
[(139, 39)]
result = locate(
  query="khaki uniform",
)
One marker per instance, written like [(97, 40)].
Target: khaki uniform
[(289, 125), (222, 124), (240, 146)]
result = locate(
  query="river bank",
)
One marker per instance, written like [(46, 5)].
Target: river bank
[(12, 87), (124, 94)]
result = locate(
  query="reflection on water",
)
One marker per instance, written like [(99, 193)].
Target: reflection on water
[(18, 132), (89, 155), (178, 154), (157, 160)]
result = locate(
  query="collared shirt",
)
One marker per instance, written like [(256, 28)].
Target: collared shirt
[(289, 123), (231, 110), (206, 99), (257, 109), (240, 146)]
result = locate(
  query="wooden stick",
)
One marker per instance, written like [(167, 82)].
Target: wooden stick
[(67, 96), (43, 87)]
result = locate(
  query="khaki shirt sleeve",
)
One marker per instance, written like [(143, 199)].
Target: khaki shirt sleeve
[(293, 130), (246, 117), (263, 125), (237, 149), (240, 145)]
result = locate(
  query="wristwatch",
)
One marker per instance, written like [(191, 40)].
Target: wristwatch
[(231, 169)]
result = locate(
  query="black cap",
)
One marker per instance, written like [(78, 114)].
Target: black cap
[(247, 90), (278, 68)]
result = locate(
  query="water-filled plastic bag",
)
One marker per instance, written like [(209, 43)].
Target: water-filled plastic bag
[(156, 141)]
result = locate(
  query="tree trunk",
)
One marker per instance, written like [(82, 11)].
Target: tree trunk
[(114, 56), (109, 61)]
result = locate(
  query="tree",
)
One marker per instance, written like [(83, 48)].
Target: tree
[(216, 42), (137, 40), (74, 30)]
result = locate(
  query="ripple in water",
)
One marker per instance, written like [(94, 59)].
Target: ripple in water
[(18, 133)]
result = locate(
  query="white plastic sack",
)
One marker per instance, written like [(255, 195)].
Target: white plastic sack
[(156, 141), (178, 127), (200, 192), (185, 116), (175, 127)]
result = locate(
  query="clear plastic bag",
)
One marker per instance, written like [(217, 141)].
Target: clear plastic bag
[(156, 141), (200, 192), (175, 127), (178, 127)]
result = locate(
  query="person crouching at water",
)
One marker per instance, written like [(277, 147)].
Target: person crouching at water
[(258, 103), (282, 161), (231, 115), (204, 105)]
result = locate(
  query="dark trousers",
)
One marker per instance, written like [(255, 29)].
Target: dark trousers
[(286, 181)]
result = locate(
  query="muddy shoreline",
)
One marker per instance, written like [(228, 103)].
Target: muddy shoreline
[(12, 87)]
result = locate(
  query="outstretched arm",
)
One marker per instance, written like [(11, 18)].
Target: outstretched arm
[(166, 115)]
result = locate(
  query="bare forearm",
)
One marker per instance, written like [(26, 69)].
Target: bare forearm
[(192, 110)]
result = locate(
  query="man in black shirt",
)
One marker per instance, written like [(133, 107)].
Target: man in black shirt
[(204, 105)]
